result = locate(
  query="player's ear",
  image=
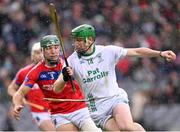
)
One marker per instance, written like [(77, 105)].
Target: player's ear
[(90, 40), (41, 49)]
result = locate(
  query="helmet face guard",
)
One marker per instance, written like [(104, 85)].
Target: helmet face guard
[(84, 32), (48, 41)]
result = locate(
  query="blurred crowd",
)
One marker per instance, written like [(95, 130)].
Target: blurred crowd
[(128, 23)]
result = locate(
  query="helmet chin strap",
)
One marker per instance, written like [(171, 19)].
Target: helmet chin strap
[(84, 52), (52, 62)]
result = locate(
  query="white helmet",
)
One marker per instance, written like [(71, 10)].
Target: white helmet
[(36, 46)]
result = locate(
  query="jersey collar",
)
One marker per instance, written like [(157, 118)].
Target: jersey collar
[(91, 52)]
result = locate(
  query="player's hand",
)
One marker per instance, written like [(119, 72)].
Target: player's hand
[(67, 73), (16, 111), (168, 55)]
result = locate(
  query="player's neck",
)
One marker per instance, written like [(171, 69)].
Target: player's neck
[(90, 51), (48, 65)]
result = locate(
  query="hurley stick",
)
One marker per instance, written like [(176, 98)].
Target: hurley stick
[(54, 18), (39, 107), (75, 100), (65, 100)]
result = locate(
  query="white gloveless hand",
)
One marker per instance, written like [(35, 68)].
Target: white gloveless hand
[(168, 55), (70, 71), (16, 111)]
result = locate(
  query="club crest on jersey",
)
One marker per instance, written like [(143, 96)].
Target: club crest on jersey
[(49, 75), (81, 61), (100, 59)]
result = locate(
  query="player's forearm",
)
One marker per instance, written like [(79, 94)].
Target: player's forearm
[(12, 88), (11, 92), (59, 84), (143, 52), (18, 98)]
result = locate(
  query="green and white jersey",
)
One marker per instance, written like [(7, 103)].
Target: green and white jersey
[(96, 72)]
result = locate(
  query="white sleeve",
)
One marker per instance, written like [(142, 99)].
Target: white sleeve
[(122, 52), (118, 52)]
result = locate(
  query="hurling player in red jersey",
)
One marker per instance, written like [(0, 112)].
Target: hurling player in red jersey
[(35, 95), (71, 116)]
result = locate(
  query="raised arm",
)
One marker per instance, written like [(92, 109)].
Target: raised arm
[(146, 52), (59, 84), (62, 79)]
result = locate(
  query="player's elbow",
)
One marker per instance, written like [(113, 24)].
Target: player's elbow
[(9, 92)]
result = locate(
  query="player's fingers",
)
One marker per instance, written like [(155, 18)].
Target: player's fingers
[(168, 59), (170, 56), (15, 112), (173, 55), (69, 70), (19, 108), (16, 115)]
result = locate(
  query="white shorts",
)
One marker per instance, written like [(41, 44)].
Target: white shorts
[(77, 117), (39, 117), (105, 108)]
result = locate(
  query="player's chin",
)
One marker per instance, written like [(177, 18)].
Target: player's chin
[(54, 58), (79, 50)]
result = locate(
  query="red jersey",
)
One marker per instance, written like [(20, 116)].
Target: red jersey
[(45, 78), (35, 95)]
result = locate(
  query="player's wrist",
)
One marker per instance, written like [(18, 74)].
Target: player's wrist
[(160, 54)]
